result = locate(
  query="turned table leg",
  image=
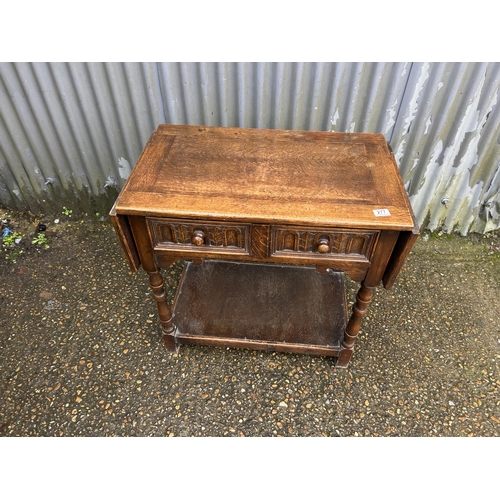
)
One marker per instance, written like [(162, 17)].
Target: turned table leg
[(364, 296), (139, 229), (363, 299), (164, 312)]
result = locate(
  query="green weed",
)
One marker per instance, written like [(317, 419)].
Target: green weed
[(40, 239), (9, 243)]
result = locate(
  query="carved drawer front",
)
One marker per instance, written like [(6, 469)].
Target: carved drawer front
[(322, 243), (200, 236)]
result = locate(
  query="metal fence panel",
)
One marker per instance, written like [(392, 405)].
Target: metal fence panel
[(360, 97), (68, 130), (71, 132), (446, 141)]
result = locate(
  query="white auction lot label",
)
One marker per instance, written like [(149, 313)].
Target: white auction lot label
[(382, 212)]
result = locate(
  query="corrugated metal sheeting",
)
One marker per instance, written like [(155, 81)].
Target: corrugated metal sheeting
[(71, 132), (447, 143)]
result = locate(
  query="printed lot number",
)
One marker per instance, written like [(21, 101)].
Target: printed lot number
[(382, 212)]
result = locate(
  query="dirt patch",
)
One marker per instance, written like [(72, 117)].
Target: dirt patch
[(24, 236)]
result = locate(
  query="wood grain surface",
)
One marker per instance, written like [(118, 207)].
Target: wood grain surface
[(259, 175), (261, 304)]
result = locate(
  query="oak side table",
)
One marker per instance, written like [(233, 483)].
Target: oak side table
[(268, 222)]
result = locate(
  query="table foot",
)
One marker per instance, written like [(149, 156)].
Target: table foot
[(344, 358), (169, 341)]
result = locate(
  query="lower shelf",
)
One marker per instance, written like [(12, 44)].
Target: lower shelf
[(261, 306)]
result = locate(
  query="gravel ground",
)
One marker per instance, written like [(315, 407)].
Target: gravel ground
[(81, 353)]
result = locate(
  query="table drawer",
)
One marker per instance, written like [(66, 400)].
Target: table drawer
[(199, 236), (321, 243)]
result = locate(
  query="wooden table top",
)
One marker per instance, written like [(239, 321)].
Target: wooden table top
[(269, 176)]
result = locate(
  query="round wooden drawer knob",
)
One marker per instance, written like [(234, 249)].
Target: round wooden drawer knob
[(323, 245), (198, 237)]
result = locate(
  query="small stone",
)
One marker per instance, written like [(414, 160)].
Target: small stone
[(283, 404)]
